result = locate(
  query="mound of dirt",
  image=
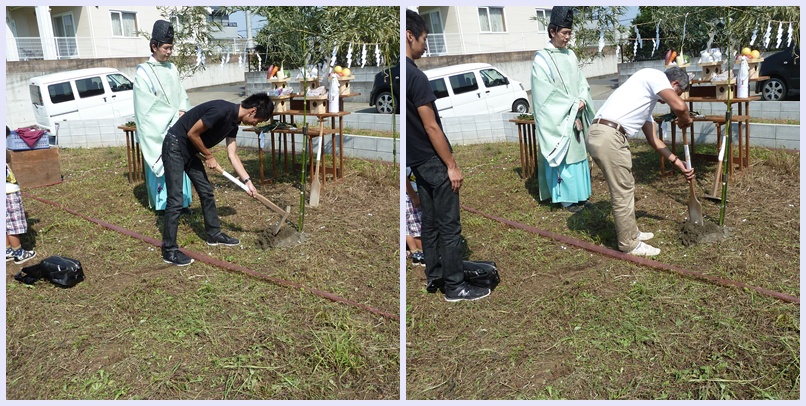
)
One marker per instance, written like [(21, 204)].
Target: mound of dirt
[(287, 237), (709, 232)]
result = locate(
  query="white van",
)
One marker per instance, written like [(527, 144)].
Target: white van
[(475, 88), (82, 94)]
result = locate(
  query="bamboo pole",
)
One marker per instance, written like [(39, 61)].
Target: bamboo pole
[(728, 135)]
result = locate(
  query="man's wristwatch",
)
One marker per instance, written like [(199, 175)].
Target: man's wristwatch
[(247, 180)]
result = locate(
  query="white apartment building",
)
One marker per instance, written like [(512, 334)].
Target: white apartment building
[(467, 30), (87, 32)]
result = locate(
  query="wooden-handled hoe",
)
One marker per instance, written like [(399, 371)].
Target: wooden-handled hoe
[(266, 202)]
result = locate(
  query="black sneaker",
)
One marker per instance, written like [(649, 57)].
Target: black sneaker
[(435, 285), (466, 292), (177, 258), (223, 239)]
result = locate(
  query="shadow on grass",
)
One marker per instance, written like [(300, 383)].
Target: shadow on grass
[(29, 238), (596, 222)]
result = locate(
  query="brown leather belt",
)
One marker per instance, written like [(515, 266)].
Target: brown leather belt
[(610, 124)]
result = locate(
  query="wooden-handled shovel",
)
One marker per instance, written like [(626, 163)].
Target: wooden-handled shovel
[(718, 175), (315, 185), (266, 202), (694, 206)]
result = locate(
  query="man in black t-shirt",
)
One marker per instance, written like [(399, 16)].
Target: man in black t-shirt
[(196, 131), (429, 154)]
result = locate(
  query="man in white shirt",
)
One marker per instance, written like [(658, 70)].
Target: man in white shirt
[(626, 111)]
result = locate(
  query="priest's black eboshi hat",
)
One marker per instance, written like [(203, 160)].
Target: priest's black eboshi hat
[(562, 17), (163, 32)]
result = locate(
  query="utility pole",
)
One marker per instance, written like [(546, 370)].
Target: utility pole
[(249, 44)]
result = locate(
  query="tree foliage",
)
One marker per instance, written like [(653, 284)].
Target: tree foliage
[(589, 22), (294, 33), (191, 32), (701, 21)]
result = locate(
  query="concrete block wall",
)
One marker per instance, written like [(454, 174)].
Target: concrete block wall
[(761, 135), (91, 133), (479, 129), (768, 110), (364, 78), (105, 133), (498, 128), (355, 146), (372, 122)]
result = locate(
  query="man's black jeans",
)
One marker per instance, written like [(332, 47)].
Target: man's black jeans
[(177, 160), (441, 225)]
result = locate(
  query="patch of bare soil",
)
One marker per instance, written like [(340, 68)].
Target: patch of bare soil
[(708, 232), (285, 237)]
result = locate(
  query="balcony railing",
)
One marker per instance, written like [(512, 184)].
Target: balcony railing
[(36, 48)]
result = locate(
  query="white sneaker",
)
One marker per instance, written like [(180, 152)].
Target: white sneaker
[(645, 236), (645, 250)]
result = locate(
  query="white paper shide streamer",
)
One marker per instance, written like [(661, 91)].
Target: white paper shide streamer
[(780, 34), (753, 37), (789, 33), (333, 56), (618, 50), (654, 47), (767, 35), (378, 54), (683, 41), (601, 41), (657, 37), (198, 56), (638, 38), (350, 56), (363, 55), (259, 60)]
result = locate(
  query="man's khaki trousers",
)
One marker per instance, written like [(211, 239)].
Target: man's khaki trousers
[(611, 151)]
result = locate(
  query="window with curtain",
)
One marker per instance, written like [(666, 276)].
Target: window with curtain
[(124, 24), (491, 19)]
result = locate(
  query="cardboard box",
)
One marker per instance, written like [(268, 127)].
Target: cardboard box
[(36, 167)]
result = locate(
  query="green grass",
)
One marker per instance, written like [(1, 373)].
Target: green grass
[(371, 133), (138, 328), (566, 323)]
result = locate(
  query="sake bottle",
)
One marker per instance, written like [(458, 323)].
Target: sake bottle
[(333, 95), (742, 86)]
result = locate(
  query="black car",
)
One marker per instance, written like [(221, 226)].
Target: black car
[(381, 95), (784, 72)]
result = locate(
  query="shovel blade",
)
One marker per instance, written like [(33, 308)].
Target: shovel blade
[(280, 223), (315, 187), (695, 212), (694, 208)]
